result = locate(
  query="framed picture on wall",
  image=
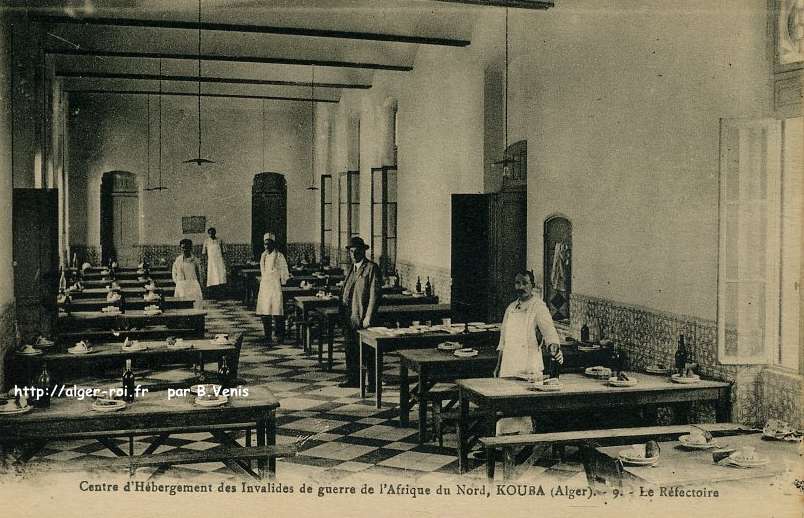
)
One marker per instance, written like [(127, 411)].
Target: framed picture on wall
[(193, 224)]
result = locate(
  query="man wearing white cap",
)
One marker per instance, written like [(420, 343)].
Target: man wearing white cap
[(274, 273)]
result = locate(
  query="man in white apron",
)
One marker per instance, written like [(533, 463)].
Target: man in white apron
[(186, 273), (520, 350), (270, 303), (216, 268)]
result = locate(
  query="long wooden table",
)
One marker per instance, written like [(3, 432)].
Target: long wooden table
[(128, 292), (132, 303), (502, 397), (128, 275), (151, 414), (78, 323), (678, 466), (384, 343)]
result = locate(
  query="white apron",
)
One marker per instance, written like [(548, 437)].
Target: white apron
[(274, 273), (187, 285), (216, 268), (518, 359)]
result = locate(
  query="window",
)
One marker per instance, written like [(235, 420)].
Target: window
[(348, 210), (326, 218), (383, 217), (760, 242)]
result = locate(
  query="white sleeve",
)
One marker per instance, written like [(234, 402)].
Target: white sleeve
[(545, 323), (204, 248), (501, 345), (282, 266)]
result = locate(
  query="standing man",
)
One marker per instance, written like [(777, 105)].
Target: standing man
[(270, 303), (359, 301)]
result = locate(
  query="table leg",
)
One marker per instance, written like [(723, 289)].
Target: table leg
[(422, 397), (463, 423), (723, 407), (270, 440), (330, 341), (404, 394), (361, 369), (378, 377), (261, 435)]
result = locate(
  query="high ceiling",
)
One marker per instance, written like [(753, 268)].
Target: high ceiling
[(275, 42)]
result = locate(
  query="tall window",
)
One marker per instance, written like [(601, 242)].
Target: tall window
[(383, 217), (760, 242), (326, 218), (348, 210)]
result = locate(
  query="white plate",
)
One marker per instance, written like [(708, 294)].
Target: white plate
[(605, 372), (221, 400), (73, 350), (135, 349), (27, 352), (656, 370), (463, 353), (119, 405), (614, 382), (745, 463), (209, 388), (685, 442), (677, 378), (448, 346), (626, 457), (477, 324), (541, 387)]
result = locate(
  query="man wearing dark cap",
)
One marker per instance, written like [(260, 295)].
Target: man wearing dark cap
[(359, 301)]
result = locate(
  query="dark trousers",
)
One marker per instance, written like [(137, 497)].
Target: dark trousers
[(351, 344), (267, 324)]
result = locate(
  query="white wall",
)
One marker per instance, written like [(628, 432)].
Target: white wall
[(109, 133)]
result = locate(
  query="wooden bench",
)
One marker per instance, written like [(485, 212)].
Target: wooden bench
[(508, 443), (237, 458)]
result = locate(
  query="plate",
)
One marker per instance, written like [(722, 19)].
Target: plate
[(657, 370), (30, 352), (73, 350), (598, 372), (218, 401), (209, 388), (745, 463), (477, 324), (465, 353), (448, 346), (685, 442), (108, 405), (541, 387), (134, 349), (626, 458), (677, 378), (614, 382)]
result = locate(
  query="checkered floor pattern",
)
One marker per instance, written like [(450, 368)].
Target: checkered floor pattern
[(342, 437)]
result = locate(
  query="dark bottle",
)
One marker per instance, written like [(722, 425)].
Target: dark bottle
[(553, 368), (428, 288), (128, 383), (43, 383), (681, 356), (418, 284), (584, 332), (616, 361), (466, 328), (224, 373), (397, 280)]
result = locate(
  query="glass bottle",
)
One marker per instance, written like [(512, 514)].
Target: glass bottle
[(418, 284), (224, 373), (554, 368), (616, 361), (128, 382), (681, 356), (43, 383), (428, 288), (584, 332)]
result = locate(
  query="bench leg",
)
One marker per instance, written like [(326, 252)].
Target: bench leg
[(508, 463), (491, 460)]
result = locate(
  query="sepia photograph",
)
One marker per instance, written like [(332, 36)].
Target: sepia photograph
[(382, 257)]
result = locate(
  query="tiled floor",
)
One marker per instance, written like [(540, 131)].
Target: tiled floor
[(342, 436)]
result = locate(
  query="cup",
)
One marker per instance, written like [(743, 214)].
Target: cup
[(446, 322), (415, 323)]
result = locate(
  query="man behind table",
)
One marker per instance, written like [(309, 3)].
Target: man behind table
[(359, 301)]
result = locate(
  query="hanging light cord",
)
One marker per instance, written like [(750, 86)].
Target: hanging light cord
[(160, 124), (312, 128), (506, 84), (199, 78), (148, 141), (263, 134)]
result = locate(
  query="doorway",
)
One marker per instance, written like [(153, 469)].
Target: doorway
[(119, 214), (558, 266)]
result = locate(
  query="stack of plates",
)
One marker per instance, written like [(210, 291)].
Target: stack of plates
[(209, 388), (615, 382), (211, 401), (108, 405), (110, 309), (448, 346), (80, 348), (466, 353), (546, 387), (736, 460), (656, 369), (9, 407), (678, 378), (598, 372), (687, 441), (29, 350)]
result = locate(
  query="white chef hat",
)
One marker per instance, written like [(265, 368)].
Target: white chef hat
[(269, 235)]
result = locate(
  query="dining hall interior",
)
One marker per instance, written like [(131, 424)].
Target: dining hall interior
[(641, 159)]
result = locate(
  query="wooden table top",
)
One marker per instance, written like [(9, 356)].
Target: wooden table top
[(133, 315), (151, 410), (128, 291), (115, 349), (578, 384), (140, 300), (376, 338), (309, 301), (678, 466), (431, 356)]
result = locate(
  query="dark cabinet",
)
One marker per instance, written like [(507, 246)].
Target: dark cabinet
[(489, 234), (269, 211), (36, 258)]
